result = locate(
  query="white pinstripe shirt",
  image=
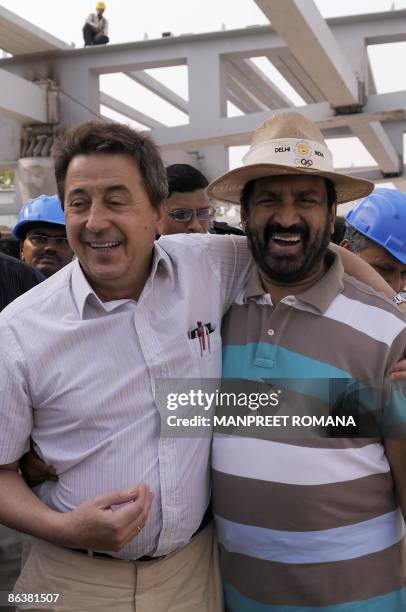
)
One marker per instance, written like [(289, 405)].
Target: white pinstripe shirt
[(78, 376)]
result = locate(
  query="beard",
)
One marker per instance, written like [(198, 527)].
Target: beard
[(288, 269)]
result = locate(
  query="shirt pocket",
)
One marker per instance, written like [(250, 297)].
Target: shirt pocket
[(206, 360)]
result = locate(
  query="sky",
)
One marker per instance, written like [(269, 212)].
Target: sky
[(133, 20)]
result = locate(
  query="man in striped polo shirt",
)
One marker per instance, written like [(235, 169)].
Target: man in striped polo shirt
[(307, 520)]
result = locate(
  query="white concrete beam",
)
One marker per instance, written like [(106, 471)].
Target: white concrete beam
[(290, 69), (238, 74), (235, 89), (159, 89), (311, 41), (263, 83), (237, 102), (18, 36), (238, 130), (373, 173), (375, 139), (129, 111), (229, 131), (22, 100)]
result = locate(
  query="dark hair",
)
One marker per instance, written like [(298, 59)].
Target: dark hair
[(97, 137), (10, 246), (357, 242), (184, 178), (248, 187), (339, 230)]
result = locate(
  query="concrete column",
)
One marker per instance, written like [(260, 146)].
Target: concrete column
[(207, 104), (213, 160), (10, 131), (82, 85)]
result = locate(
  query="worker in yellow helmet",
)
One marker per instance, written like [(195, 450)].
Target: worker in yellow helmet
[(96, 27)]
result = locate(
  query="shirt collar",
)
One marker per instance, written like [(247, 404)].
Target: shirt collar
[(319, 296), (82, 291), (254, 287)]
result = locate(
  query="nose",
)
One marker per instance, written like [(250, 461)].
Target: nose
[(97, 219), (194, 226), (50, 246), (286, 213)]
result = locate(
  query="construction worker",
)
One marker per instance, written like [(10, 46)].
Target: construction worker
[(376, 232), (95, 30), (41, 231)]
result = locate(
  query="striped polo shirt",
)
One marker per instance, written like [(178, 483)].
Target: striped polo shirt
[(309, 522)]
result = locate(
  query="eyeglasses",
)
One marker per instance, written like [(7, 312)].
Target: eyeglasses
[(41, 240), (184, 215)]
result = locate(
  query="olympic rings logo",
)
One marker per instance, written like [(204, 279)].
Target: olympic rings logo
[(304, 162)]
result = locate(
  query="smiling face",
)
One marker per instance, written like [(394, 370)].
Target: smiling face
[(110, 223), (288, 225)]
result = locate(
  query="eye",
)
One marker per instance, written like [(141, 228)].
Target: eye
[(308, 201), (76, 203), (266, 200)]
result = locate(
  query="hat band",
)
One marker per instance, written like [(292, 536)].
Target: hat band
[(293, 152)]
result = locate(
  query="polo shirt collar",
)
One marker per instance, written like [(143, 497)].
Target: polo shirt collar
[(254, 287), (328, 287), (82, 291), (319, 296)]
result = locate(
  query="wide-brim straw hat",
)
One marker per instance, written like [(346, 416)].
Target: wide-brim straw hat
[(287, 143)]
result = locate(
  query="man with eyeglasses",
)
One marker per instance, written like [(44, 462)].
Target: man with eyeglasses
[(188, 209), (42, 235)]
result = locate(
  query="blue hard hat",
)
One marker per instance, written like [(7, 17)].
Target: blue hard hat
[(381, 217), (44, 209)]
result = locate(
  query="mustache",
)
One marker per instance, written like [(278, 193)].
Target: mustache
[(49, 256), (274, 228)]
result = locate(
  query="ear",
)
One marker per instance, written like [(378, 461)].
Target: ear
[(345, 244), (243, 218), (160, 212)]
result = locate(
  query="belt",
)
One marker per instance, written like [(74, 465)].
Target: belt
[(208, 515)]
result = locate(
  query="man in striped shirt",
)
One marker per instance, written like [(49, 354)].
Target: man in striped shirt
[(308, 517)]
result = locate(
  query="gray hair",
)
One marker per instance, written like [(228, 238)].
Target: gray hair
[(357, 242)]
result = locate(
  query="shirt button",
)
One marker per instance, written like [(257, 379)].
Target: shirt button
[(270, 332)]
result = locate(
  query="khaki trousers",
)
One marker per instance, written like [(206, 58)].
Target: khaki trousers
[(185, 581), (10, 553)]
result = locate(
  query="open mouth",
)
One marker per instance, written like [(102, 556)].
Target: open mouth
[(286, 240), (104, 247)]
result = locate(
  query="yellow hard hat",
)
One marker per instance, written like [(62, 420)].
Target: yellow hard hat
[(101, 6)]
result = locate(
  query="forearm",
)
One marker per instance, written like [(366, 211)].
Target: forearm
[(357, 267), (20, 509)]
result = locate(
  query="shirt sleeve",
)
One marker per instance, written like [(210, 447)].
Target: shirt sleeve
[(16, 417), (105, 27), (231, 259), (91, 20)]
